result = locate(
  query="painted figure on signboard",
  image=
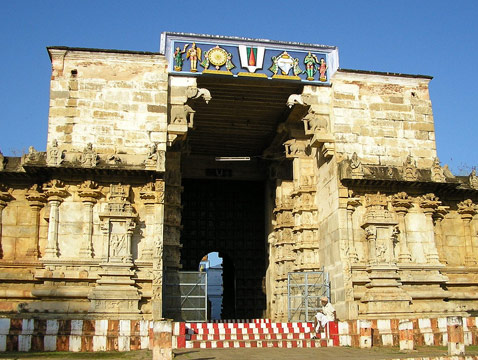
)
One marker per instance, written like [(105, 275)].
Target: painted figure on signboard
[(194, 54), (178, 58), (311, 63), (296, 68), (229, 64), (274, 68), (322, 70)]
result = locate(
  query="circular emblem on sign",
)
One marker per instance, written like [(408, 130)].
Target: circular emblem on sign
[(217, 56)]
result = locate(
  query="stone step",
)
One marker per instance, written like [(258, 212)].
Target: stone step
[(309, 343), (263, 336)]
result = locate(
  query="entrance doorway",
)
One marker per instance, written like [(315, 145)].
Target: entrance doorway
[(228, 217)]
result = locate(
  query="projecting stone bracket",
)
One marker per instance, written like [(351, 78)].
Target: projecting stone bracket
[(181, 114)]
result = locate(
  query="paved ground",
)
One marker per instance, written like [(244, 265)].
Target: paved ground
[(336, 353)]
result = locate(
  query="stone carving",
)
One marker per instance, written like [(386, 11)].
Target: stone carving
[(89, 189), (2, 161), (437, 171), (156, 159), (182, 115), (89, 158), (32, 156), (295, 148), (113, 159), (153, 192), (314, 123), (409, 169), (295, 99), (54, 156), (473, 179), (195, 93), (356, 167)]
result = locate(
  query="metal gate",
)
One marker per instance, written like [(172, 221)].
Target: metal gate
[(185, 295), (304, 290)]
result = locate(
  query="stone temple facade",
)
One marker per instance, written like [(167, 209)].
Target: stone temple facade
[(141, 178)]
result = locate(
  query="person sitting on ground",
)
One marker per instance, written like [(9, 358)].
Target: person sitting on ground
[(324, 315)]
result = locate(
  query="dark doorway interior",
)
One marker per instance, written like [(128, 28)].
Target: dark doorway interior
[(228, 217)]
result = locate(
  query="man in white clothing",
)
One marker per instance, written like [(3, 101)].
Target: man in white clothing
[(324, 315)]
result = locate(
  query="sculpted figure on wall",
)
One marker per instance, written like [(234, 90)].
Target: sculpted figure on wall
[(156, 159), (89, 158), (55, 157), (410, 171), (473, 179)]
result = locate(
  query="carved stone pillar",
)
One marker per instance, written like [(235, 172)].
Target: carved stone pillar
[(89, 194), (115, 290), (467, 210), (36, 200), (5, 197), (401, 202), (153, 196), (55, 193), (384, 291), (438, 217), (429, 203), (352, 203)]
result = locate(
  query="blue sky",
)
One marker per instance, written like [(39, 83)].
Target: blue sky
[(437, 38)]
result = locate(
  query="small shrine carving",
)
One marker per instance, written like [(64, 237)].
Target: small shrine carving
[(409, 169), (437, 172)]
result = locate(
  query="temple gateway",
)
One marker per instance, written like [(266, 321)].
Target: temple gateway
[(294, 170)]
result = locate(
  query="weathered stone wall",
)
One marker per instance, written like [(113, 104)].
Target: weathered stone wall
[(383, 118), (114, 100)]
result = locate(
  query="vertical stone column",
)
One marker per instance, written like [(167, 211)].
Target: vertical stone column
[(438, 217), (401, 202), (5, 197), (36, 200), (352, 203), (89, 194), (55, 194), (429, 203), (467, 210)]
